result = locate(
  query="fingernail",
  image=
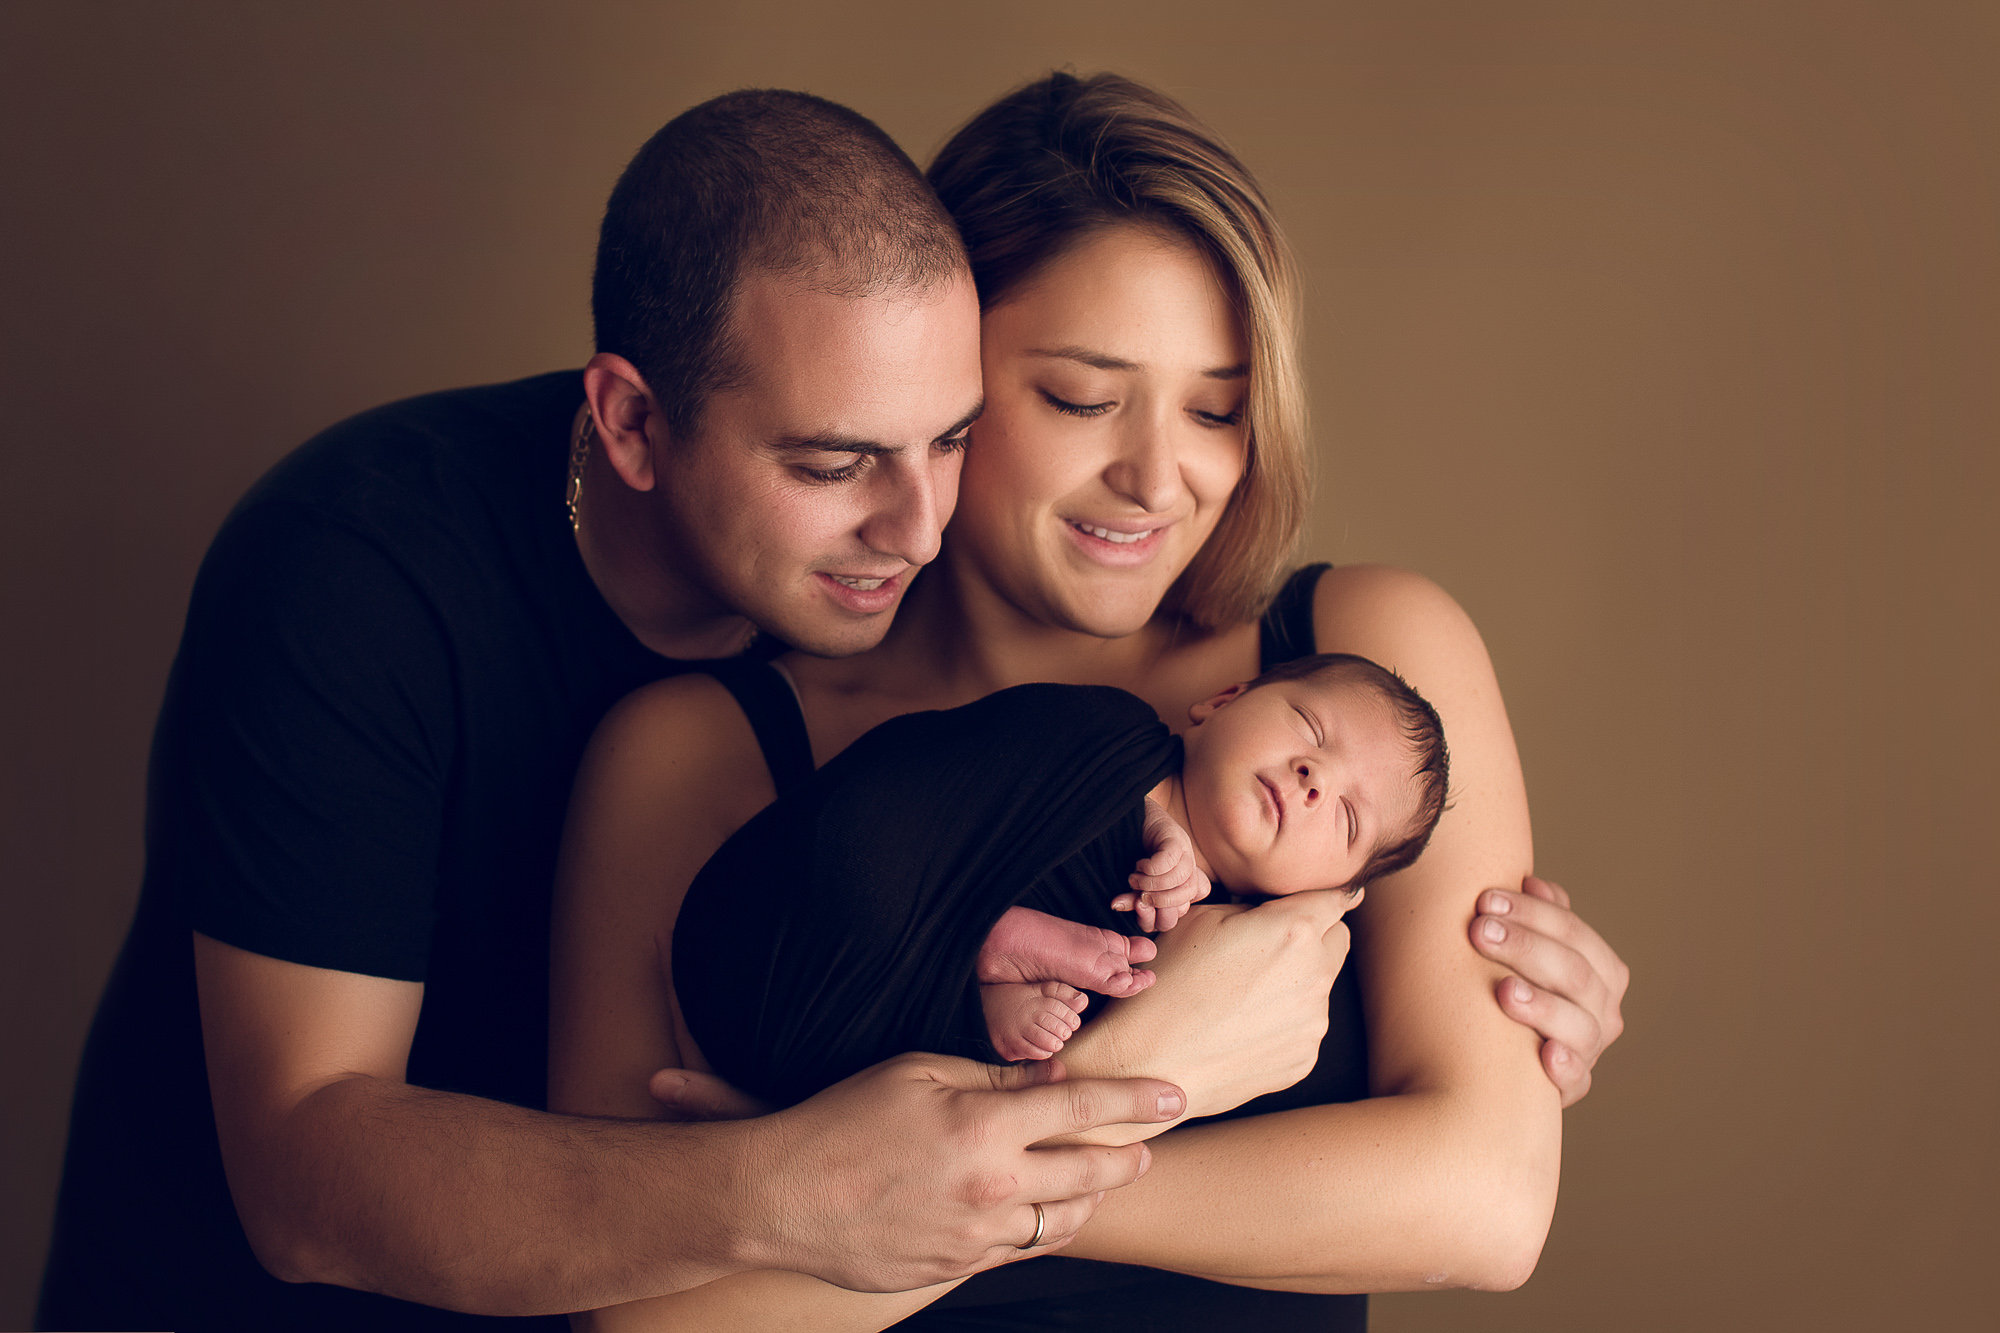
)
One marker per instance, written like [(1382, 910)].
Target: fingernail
[(1492, 930), (1145, 1160), (1170, 1104), (1560, 1055), (1497, 904), (1518, 991)]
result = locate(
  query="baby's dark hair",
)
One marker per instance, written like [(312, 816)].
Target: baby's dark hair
[(1422, 729)]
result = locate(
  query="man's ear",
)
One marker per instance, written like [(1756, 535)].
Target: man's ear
[(629, 423), (1206, 709)]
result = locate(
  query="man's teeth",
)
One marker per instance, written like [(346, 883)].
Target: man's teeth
[(861, 585), (1106, 534)]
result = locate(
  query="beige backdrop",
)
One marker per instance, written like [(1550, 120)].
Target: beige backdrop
[(1663, 335)]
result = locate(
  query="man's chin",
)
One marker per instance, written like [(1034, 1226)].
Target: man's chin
[(829, 634)]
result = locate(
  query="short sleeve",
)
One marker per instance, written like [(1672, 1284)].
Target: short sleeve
[(299, 774)]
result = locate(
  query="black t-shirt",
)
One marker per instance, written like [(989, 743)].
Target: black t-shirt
[(393, 659)]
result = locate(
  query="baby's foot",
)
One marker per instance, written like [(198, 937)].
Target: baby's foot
[(1030, 1020), (1026, 945)]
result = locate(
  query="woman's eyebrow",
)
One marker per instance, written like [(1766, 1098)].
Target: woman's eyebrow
[(1105, 361), (1095, 360)]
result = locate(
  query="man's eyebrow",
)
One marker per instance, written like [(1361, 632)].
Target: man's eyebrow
[(960, 426), (829, 442), (1105, 361), (826, 442)]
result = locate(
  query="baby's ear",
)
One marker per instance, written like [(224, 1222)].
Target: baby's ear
[(1206, 709)]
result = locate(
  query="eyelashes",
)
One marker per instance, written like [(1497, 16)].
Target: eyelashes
[(1218, 420), (1070, 409), (828, 476)]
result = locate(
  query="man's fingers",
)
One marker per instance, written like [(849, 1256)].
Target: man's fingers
[(1074, 1105), (1578, 965), (1060, 1221), (1540, 960), (1546, 889), (1551, 1016), (1079, 1172), (1570, 1075)]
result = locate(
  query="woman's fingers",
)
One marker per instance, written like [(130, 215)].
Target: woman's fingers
[(691, 1095)]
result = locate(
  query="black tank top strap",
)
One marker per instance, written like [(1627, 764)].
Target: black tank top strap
[(772, 706), (1287, 629)]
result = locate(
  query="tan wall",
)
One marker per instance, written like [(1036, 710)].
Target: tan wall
[(1665, 336)]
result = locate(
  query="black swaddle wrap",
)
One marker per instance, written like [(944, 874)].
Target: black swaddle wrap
[(841, 925)]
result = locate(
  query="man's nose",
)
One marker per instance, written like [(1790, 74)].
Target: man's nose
[(907, 518)]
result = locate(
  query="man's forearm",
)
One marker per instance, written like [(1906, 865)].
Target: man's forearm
[(483, 1207)]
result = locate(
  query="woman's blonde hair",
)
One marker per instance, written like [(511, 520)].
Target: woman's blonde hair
[(1047, 165)]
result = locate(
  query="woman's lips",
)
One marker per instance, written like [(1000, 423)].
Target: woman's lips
[(865, 594), (1117, 545)]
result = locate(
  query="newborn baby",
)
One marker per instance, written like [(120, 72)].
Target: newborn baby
[(1322, 774), (941, 884)]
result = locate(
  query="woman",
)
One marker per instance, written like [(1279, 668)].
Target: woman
[(1127, 505)]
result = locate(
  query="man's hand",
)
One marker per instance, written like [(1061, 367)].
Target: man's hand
[(1570, 984), (1168, 879), (924, 1168)]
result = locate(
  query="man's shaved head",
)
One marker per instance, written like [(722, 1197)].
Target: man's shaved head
[(758, 179)]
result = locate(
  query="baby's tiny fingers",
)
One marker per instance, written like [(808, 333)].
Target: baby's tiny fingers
[(1124, 902)]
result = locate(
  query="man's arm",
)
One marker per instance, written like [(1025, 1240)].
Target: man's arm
[(343, 1173), (909, 1174)]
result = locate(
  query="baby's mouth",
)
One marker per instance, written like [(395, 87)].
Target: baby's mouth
[(1277, 804)]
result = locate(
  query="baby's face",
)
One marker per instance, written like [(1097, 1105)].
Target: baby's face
[(1294, 785)]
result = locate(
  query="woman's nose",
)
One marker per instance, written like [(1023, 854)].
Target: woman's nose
[(1146, 470)]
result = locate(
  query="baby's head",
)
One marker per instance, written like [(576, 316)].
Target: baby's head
[(1326, 772)]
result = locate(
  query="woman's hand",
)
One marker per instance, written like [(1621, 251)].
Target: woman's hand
[(1569, 982), (1239, 1008)]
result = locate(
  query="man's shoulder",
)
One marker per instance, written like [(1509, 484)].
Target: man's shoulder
[(422, 458)]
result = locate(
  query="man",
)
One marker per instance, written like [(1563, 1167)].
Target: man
[(320, 1059)]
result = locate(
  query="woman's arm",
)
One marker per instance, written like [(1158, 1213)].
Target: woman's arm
[(1447, 1175)]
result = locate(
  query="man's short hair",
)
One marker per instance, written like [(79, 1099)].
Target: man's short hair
[(1423, 732), (781, 181)]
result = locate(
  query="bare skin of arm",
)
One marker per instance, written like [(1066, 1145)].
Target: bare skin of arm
[(343, 1173), (1446, 1175), (671, 773)]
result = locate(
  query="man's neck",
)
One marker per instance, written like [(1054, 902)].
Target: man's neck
[(635, 567)]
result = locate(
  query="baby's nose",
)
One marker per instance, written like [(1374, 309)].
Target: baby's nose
[(1306, 781)]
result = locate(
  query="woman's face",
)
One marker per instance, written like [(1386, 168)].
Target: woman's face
[(1113, 435)]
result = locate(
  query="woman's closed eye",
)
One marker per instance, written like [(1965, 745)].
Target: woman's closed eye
[(1068, 408), (1218, 420)]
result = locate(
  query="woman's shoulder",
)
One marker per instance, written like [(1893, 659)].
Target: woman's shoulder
[(682, 737), (1373, 600)]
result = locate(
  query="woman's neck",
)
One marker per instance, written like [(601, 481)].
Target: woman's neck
[(957, 638)]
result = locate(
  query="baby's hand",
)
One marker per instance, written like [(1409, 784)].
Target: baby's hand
[(1168, 879)]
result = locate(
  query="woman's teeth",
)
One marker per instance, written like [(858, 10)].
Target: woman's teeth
[(1106, 534), (859, 585)]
